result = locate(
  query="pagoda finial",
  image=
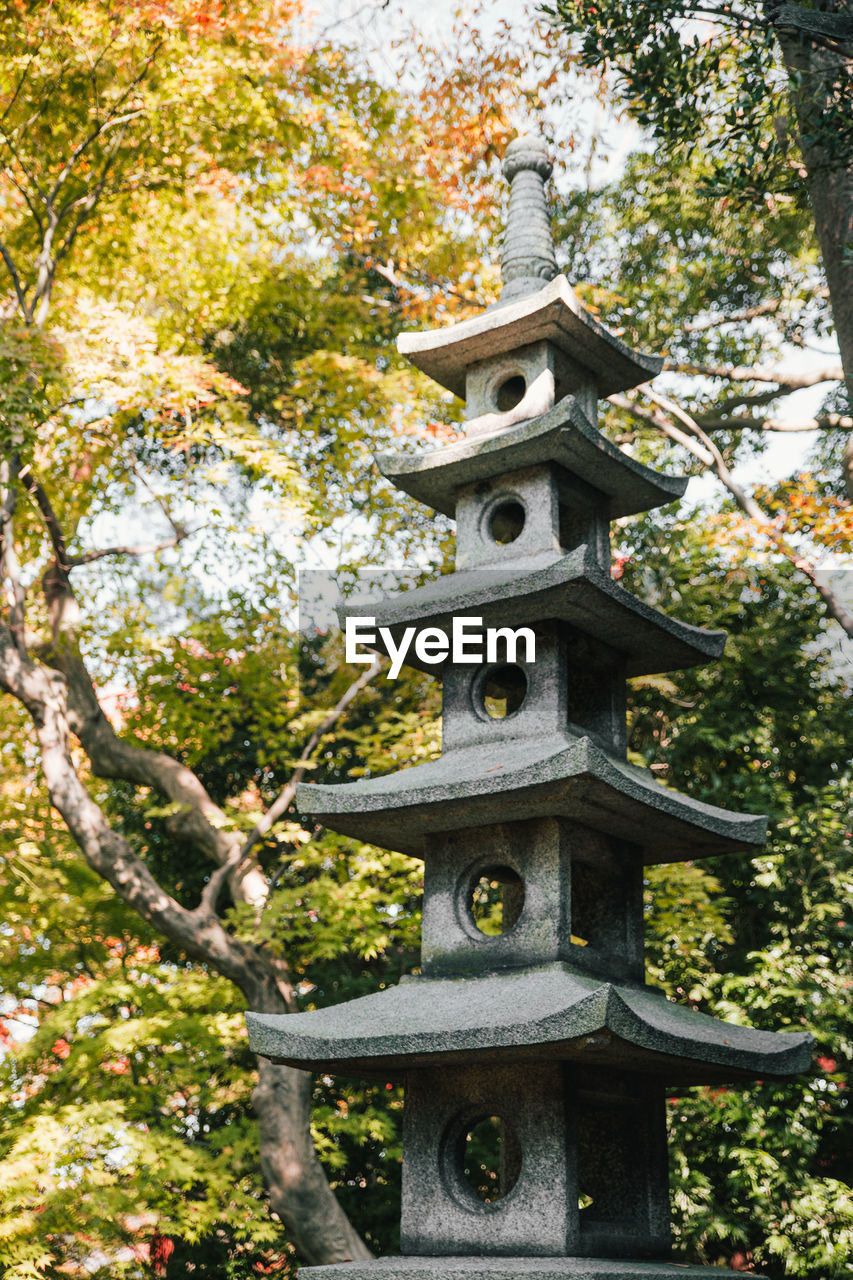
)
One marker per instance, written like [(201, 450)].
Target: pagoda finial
[(527, 255)]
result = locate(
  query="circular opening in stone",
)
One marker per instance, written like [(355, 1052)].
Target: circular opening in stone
[(491, 1158), (506, 522), (497, 900), (503, 690), (510, 393)]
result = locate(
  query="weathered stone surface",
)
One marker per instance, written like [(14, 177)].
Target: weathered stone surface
[(553, 314), (527, 252), (571, 588), (590, 703), (530, 1027), (558, 776), (577, 896), (441, 1214), (544, 1013), (529, 512), (519, 1268), (548, 869), (564, 1133), (564, 436), (507, 389)]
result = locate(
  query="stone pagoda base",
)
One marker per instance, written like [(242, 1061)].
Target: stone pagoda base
[(468, 1268)]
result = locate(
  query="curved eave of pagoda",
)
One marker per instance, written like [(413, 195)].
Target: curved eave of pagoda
[(569, 588), (543, 1013), (564, 436), (508, 781), (554, 313)]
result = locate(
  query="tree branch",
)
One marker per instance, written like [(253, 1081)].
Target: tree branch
[(151, 548), (113, 117), (10, 572), (25, 195), (284, 799), (758, 373), (745, 501), (769, 307), (22, 79), (658, 420), (812, 23), (421, 290), (198, 933), (826, 422), (198, 818), (51, 521), (17, 285)]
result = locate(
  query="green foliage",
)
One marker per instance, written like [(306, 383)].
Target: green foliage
[(759, 1171), (692, 74), (127, 1104)]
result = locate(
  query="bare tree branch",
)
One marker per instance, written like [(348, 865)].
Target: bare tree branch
[(702, 443), (161, 503), (284, 799), (51, 521), (769, 307), (17, 285), (826, 422), (147, 549), (663, 424), (758, 373), (401, 284), (10, 570)]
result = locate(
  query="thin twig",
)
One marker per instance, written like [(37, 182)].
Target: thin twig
[(284, 799)]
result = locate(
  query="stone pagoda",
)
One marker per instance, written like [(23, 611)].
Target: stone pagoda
[(530, 1026)]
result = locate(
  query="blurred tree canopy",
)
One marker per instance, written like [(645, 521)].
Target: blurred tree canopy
[(213, 224)]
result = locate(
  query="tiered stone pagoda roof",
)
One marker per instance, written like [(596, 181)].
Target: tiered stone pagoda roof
[(546, 1012), (553, 314), (532, 778), (550, 1026), (563, 435)]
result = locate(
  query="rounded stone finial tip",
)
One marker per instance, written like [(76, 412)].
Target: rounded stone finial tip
[(527, 152)]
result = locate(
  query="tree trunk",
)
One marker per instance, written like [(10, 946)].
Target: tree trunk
[(821, 88), (299, 1191), (297, 1186)]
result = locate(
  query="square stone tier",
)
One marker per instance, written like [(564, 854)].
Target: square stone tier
[(553, 314), (519, 1268), (572, 588), (546, 1013), (564, 436), (511, 780)]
